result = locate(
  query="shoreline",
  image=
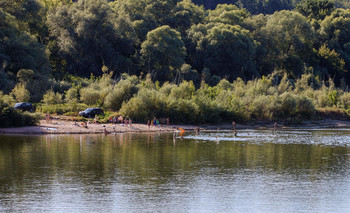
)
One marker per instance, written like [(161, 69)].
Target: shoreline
[(68, 127)]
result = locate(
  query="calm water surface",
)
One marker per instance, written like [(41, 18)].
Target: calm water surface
[(257, 171)]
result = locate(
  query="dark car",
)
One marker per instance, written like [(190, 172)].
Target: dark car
[(24, 106), (91, 112)]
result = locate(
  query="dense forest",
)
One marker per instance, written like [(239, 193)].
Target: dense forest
[(90, 52)]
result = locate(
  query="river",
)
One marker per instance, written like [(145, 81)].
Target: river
[(256, 171)]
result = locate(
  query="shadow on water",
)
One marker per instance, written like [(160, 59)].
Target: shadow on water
[(258, 170)]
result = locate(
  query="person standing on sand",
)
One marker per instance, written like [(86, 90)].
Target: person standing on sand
[(197, 130), (149, 124), (167, 121), (274, 126), (234, 125), (234, 128)]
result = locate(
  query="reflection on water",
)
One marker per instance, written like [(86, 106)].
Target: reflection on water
[(257, 171)]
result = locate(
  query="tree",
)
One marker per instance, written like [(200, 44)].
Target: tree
[(89, 36), (227, 14), (315, 9), (186, 14), (225, 49), (30, 16), (163, 52), (19, 50), (288, 38)]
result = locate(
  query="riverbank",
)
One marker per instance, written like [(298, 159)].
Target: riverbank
[(70, 127)]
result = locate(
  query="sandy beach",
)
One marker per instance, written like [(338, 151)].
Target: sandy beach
[(57, 126), (70, 127)]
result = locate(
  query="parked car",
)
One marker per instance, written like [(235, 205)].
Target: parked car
[(91, 112), (24, 106)]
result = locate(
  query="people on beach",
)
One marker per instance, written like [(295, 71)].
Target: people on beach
[(274, 126), (167, 121), (48, 118), (234, 128), (105, 131), (115, 120), (149, 124), (95, 119), (234, 125), (197, 130)]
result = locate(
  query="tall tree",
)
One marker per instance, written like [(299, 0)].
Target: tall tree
[(89, 36), (335, 31), (19, 50), (288, 38), (226, 50), (163, 53), (315, 9)]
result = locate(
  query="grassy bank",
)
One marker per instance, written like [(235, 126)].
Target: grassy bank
[(271, 98)]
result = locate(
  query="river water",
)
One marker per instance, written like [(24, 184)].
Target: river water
[(256, 171)]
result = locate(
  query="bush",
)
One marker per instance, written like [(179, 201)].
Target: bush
[(305, 108), (345, 100), (9, 117), (287, 105), (21, 93), (61, 109), (183, 111), (145, 105), (262, 108), (51, 98), (90, 96), (72, 95), (123, 91)]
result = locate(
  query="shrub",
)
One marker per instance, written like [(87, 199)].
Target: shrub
[(9, 117), (345, 100), (90, 96), (61, 109), (287, 104), (123, 91), (72, 95), (305, 108), (262, 108), (183, 111), (145, 105), (21, 93)]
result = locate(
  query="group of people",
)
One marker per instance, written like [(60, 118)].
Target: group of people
[(156, 122), (120, 120)]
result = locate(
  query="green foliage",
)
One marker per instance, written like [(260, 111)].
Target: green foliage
[(146, 105), (21, 93), (50, 98), (89, 35), (60, 109), (189, 55), (226, 50), (345, 100), (9, 117), (163, 52), (122, 91), (71, 95), (315, 9)]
